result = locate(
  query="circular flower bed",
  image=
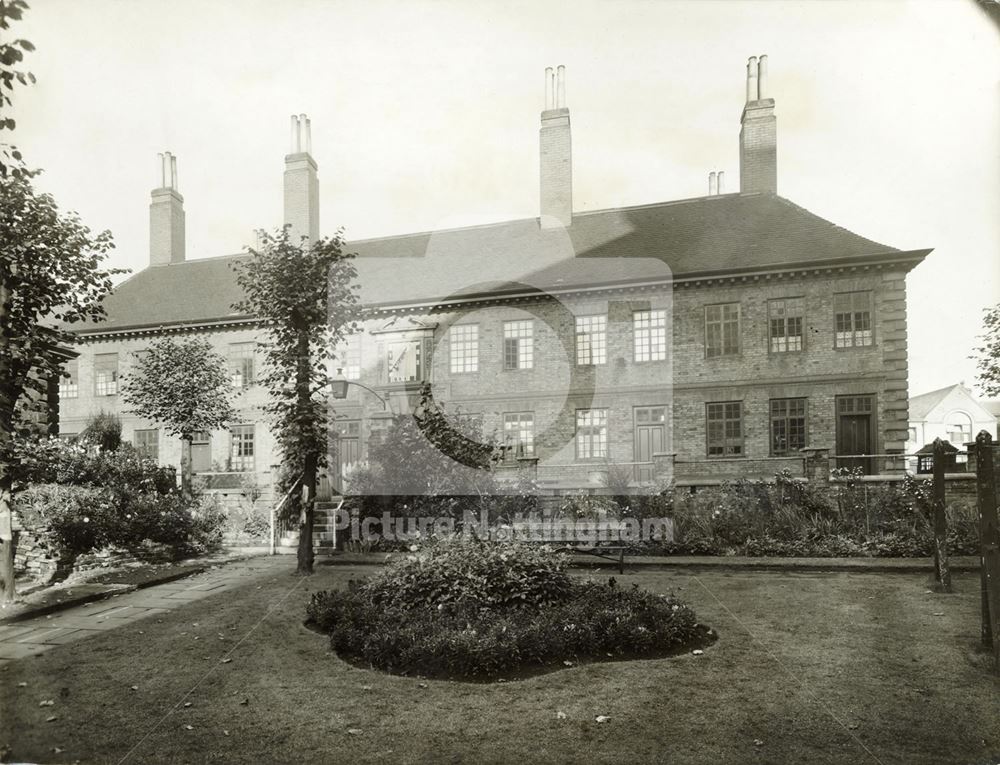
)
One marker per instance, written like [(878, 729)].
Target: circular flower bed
[(469, 609)]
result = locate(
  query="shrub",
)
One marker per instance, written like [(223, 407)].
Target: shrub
[(794, 518), (81, 519), (477, 610), (103, 430), (595, 621), (458, 574), (123, 471)]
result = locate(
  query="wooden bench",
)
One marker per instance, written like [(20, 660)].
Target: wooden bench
[(610, 549)]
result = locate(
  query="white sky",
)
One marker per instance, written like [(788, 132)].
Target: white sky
[(426, 114)]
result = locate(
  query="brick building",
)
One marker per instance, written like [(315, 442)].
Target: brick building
[(695, 339)]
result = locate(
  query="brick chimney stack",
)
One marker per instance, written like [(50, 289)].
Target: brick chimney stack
[(166, 216), (301, 183), (556, 167), (758, 133)]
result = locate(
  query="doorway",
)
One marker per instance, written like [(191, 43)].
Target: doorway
[(856, 432), (650, 437)]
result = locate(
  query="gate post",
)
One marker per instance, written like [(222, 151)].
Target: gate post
[(941, 571), (989, 540)]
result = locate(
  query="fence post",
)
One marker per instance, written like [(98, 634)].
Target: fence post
[(941, 572), (989, 540)]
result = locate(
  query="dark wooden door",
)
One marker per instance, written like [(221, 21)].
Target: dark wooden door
[(854, 438), (650, 437)]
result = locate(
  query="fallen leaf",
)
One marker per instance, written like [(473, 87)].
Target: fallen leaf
[(602, 718)]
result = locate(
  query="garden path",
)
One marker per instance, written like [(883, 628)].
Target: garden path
[(37, 635)]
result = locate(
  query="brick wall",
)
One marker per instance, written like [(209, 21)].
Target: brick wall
[(759, 147), (74, 412), (684, 382), (301, 196), (556, 387), (556, 173), (166, 228)]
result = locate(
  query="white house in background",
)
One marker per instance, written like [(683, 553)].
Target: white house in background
[(951, 413)]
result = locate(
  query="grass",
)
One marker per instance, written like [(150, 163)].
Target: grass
[(818, 668)]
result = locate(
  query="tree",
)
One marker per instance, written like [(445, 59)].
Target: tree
[(987, 355), (11, 54), (306, 302), (183, 386), (434, 454), (50, 277)]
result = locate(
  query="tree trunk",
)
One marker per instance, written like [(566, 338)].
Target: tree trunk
[(8, 400), (303, 396), (307, 505), (7, 592), (186, 466)]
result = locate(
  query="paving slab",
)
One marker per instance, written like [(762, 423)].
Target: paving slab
[(32, 635), (44, 635), (12, 631), (21, 650), (186, 595)]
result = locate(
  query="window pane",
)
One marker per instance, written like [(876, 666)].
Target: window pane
[(724, 429), (852, 320), (69, 387), (464, 348), (788, 425), (106, 374), (592, 433), (518, 344), (347, 357), (147, 443), (591, 340), (241, 455), (722, 330), (785, 324), (519, 435), (649, 329), (241, 364)]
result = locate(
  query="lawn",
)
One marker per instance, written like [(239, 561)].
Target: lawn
[(816, 668)]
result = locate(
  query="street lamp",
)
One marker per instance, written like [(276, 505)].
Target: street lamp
[(339, 383)]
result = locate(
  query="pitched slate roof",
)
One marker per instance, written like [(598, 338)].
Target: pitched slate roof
[(921, 406), (720, 234)]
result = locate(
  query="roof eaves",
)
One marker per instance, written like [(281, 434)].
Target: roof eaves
[(166, 327)]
